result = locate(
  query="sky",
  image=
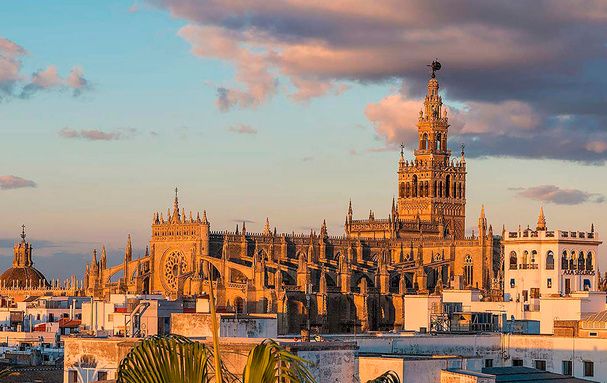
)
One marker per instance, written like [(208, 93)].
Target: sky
[(287, 110)]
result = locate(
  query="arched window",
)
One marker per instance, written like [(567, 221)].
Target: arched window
[(401, 192), (414, 186), (581, 261), (468, 270), (589, 266), (454, 193), (426, 187), (435, 188), (424, 142), (533, 256), (438, 142), (550, 260), (525, 257), (440, 188), (564, 261), (408, 190), (447, 185), (572, 261), (513, 260)]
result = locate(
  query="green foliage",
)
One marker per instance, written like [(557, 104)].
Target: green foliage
[(176, 359), (170, 359), (5, 372), (269, 362), (386, 377)]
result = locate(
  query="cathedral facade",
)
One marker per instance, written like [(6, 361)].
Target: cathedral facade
[(353, 282)]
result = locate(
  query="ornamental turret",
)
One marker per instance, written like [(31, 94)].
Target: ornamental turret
[(432, 185)]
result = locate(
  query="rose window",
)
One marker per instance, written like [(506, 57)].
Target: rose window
[(174, 266)]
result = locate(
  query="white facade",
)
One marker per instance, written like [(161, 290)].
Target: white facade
[(548, 263), (116, 316)]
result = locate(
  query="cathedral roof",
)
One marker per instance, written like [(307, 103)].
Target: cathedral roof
[(23, 274), (20, 277)]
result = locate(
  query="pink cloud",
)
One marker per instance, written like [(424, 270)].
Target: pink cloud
[(14, 182), (251, 65), (597, 146), (556, 195), (14, 83), (242, 129), (95, 134), (10, 64), (395, 118)]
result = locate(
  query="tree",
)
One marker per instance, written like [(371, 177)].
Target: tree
[(386, 377), (176, 359)]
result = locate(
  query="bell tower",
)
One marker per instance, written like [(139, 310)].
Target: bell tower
[(432, 187)]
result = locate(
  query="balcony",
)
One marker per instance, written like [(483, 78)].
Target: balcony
[(528, 266)]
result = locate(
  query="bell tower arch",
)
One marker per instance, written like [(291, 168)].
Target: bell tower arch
[(436, 182)]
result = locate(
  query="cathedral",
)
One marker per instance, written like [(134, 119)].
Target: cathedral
[(353, 282)]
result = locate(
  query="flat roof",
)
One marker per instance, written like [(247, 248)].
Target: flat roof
[(528, 374)]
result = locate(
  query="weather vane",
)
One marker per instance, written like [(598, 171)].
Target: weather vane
[(23, 232), (434, 66)]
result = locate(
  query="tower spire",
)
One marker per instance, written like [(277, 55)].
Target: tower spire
[(23, 233), (541, 220), (176, 215), (128, 251)]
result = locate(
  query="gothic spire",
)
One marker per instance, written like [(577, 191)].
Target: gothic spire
[(103, 257), (266, 227), (128, 251), (176, 216), (541, 220)]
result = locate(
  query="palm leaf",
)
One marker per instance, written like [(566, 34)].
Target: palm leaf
[(268, 362), (170, 359), (386, 377), (5, 372)]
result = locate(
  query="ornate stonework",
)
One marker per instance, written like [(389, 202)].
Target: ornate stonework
[(354, 282)]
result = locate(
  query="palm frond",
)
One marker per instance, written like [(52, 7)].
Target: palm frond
[(269, 362), (170, 359), (5, 372), (386, 377)]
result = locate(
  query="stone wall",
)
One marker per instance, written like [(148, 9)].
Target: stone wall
[(198, 325)]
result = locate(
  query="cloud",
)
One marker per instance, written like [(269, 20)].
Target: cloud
[(519, 68), (556, 195), (14, 182), (13, 83), (507, 128), (49, 78), (243, 220), (96, 135), (242, 129)]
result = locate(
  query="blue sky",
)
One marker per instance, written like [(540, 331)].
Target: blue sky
[(151, 100)]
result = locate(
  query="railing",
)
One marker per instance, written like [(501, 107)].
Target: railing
[(528, 266), (237, 285)]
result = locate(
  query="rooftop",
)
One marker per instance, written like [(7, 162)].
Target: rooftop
[(527, 374)]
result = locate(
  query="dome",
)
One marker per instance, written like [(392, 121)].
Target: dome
[(20, 277)]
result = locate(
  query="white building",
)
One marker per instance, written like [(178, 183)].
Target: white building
[(545, 263), (130, 314)]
